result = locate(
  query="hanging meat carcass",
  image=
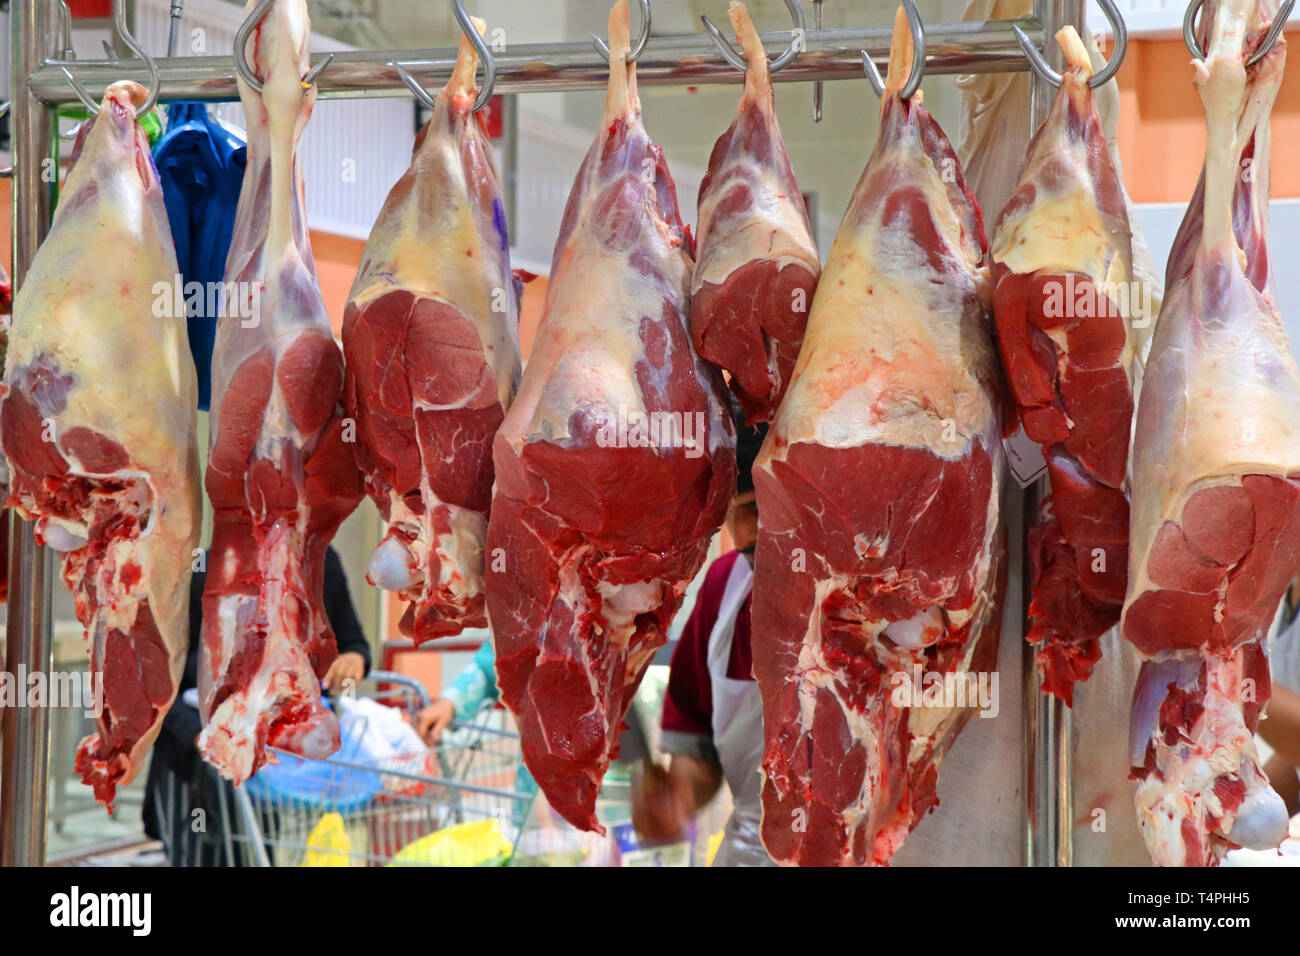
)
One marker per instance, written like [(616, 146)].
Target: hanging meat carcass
[(98, 415), (757, 266), (613, 466), (995, 124), (880, 558), (1216, 481), (281, 477), (1064, 301), (432, 346)]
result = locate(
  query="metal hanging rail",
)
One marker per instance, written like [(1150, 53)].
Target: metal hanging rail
[(962, 47), (40, 85)]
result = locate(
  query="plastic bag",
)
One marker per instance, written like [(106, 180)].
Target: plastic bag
[(480, 843), (328, 844), (380, 731)]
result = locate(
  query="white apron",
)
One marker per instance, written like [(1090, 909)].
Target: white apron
[(737, 730)]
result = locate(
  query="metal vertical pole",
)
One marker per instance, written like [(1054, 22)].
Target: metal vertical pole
[(1049, 727), (24, 775)]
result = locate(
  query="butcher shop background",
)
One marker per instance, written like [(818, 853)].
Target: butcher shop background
[(355, 149)]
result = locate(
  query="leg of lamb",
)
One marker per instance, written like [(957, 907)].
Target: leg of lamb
[(281, 477), (431, 339), (1216, 481), (879, 550), (614, 464), (99, 422)]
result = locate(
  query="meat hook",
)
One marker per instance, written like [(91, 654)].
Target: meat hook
[(119, 23), (1279, 22), (241, 49), (637, 48), (66, 52), (8, 171), (918, 57), (1040, 66), (419, 92), (480, 48), (65, 32), (484, 54), (818, 85), (174, 28), (798, 41)]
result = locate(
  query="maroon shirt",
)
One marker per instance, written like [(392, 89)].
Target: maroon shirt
[(688, 704)]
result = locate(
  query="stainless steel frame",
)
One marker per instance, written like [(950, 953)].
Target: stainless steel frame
[(24, 775), (1049, 724), (972, 47), (39, 85)]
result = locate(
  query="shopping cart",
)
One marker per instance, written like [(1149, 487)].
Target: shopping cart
[(457, 805)]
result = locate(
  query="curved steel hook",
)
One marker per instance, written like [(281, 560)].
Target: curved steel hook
[(480, 48), (637, 48), (737, 59), (1279, 23), (1039, 64), (917, 28), (245, 31), (484, 54), (155, 81), (412, 84), (8, 171), (65, 31)]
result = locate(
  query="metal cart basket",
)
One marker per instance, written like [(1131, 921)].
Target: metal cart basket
[(456, 805)]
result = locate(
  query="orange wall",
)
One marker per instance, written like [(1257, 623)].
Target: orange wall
[(1162, 124), (337, 259), (6, 218)]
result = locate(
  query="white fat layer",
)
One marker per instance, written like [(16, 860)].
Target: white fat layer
[(895, 353), (1064, 229), (438, 236)]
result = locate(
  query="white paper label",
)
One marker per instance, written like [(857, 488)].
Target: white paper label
[(1025, 456)]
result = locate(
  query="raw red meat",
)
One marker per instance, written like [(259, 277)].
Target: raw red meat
[(1216, 481), (98, 414), (757, 267), (880, 555), (1064, 298), (601, 514), (281, 477), (432, 345)]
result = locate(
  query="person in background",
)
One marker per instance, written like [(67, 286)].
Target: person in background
[(1280, 729), (177, 783), (475, 686), (713, 714), (713, 722), (1280, 726)]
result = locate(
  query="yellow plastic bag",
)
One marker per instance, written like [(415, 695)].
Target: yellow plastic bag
[(480, 843), (328, 844), (715, 842)]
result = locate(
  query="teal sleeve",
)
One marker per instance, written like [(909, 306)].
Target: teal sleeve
[(476, 684)]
